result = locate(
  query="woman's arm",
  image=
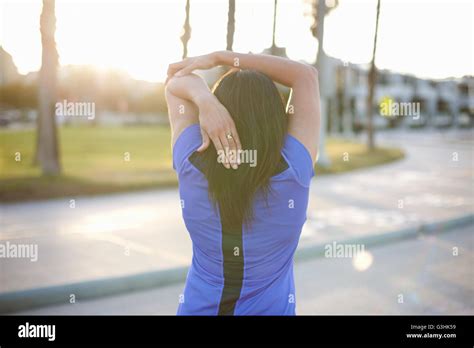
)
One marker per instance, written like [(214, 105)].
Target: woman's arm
[(190, 87), (284, 71), (190, 101), (304, 105), (182, 112)]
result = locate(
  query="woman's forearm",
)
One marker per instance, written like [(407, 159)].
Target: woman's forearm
[(215, 121), (190, 87), (282, 70)]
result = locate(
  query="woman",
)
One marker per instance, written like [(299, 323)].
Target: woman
[(244, 167)]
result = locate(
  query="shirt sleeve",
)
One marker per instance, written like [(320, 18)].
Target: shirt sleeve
[(188, 141), (299, 160)]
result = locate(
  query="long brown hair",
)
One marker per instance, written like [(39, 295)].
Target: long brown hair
[(257, 109)]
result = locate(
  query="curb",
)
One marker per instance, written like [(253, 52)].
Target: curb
[(41, 297), (315, 251)]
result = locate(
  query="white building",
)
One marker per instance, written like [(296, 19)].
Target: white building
[(439, 103)]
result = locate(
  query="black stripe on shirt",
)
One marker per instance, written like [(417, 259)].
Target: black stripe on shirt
[(232, 250), (233, 265)]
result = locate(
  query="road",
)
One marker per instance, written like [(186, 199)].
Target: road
[(142, 231), (417, 276)]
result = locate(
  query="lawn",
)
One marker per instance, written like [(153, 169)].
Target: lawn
[(348, 155), (99, 160)]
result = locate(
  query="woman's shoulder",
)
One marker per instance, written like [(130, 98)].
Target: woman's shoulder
[(299, 159), (187, 143)]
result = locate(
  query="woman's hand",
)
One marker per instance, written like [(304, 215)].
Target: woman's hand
[(218, 126), (188, 65), (216, 123)]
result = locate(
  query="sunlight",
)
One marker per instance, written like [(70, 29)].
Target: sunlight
[(142, 38), (362, 261)]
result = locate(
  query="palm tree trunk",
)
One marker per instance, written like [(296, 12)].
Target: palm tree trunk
[(230, 25), (371, 84), (321, 64), (186, 32), (47, 152), (273, 48)]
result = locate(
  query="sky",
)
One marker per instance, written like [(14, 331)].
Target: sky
[(426, 38)]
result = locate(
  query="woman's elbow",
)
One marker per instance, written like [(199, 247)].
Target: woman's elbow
[(308, 76), (311, 73)]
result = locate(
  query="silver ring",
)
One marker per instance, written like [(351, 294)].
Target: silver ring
[(229, 136)]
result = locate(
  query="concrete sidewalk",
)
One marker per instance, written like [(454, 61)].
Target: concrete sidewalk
[(424, 271), (126, 234)]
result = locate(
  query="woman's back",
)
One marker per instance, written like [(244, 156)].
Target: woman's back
[(244, 165), (246, 269)]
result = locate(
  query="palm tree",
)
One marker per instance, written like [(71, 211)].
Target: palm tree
[(186, 31), (319, 10), (47, 151), (274, 50), (230, 25), (371, 86)]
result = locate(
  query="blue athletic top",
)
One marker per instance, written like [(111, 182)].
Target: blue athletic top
[(250, 273)]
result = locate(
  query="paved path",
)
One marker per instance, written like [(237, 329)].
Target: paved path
[(142, 231), (424, 271)]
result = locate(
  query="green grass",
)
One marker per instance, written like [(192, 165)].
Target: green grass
[(347, 155), (93, 161)]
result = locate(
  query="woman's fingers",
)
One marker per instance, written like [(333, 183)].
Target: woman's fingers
[(178, 65), (186, 70), (188, 65), (234, 153), (175, 67), (236, 141), (221, 155), (206, 141), (231, 156), (220, 148)]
